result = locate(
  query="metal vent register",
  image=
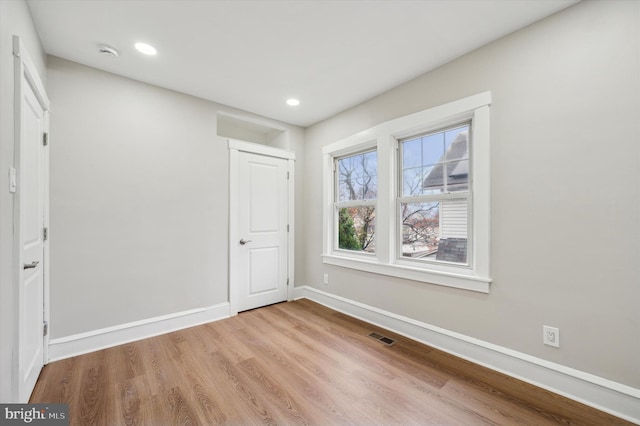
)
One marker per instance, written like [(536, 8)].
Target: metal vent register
[(387, 341)]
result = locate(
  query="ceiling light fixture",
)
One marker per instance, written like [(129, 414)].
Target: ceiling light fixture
[(108, 51), (146, 48), (293, 102)]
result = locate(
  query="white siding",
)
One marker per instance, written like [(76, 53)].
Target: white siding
[(453, 219)]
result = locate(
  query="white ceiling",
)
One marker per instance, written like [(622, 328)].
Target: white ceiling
[(253, 55)]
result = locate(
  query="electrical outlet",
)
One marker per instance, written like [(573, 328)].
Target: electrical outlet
[(326, 279), (551, 336)]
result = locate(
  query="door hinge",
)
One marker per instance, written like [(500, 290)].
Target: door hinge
[(287, 282), (45, 234), (287, 175), (45, 139), (13, 180), (45, 328), (287, 228)]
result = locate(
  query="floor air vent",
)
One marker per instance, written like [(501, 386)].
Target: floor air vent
[(387, 341)]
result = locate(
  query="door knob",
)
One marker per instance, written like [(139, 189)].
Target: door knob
[(31, 265), (243, 241)]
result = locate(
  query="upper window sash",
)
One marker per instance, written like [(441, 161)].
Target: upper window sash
[(435, 162), (356, 177)]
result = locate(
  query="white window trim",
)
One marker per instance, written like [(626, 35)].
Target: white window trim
[(384, 137)]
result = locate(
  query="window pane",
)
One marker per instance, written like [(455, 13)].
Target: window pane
[(356, 229), (435, 230), (350, 189), (420, 229), (350, 167), (357, 177), (433, 182), (456, 143), (370, 164), (433, 149), (412, 182), (444, 160), (412, 153), (458, 176), (369, 186)]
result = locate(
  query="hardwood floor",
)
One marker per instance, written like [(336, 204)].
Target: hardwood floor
[(294, 363)]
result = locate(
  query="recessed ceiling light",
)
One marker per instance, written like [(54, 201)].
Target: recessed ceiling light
[(293, 102), (146, 49)]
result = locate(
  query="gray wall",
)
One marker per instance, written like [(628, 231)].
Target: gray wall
[(15, 19), (565, 188), (139, 200)]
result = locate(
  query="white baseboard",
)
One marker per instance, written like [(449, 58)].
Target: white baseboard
[(606, 395), (82, 343)]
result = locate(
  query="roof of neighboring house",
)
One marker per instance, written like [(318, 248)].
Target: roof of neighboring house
[(457, 171)]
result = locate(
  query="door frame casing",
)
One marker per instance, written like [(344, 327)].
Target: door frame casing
[(25, 72), (235, 147)]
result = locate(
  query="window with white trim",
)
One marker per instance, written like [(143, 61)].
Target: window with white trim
[(409, 198)]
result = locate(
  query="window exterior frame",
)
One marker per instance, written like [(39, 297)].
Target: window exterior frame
[(384, 138)]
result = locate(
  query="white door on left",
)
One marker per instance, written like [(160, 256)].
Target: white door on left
[(30, 203)]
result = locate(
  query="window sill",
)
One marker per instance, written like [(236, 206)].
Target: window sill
[(461, 281)]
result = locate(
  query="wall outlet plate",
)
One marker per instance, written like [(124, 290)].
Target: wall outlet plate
[(326, 279), (551, 336)]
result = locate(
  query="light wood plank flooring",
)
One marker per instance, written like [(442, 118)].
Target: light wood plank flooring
[(294, 363)]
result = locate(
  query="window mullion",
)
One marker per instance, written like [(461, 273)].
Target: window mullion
[(385, 215)]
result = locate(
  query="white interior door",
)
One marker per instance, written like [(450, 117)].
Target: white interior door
[(262, 217), (31, 107)]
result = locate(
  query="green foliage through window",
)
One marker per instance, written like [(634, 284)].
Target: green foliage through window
[(347, 238)]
